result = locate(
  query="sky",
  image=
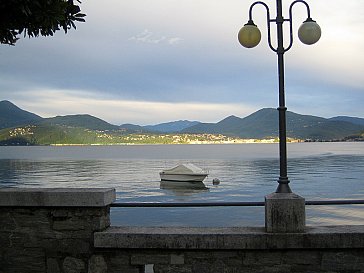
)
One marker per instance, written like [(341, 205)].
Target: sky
[(147, 62)]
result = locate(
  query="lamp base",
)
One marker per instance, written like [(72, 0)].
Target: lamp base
[(284, 213), (283, 186)]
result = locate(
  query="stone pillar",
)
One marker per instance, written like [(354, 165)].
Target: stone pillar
[(284, 213), (51, 230)]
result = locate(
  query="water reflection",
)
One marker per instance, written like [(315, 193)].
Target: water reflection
[(187, 189), (322, 176), (335, 215), (181, 185)]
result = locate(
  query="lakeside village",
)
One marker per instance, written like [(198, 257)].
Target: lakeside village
[(29, 135), (193, 139), (112, 138)]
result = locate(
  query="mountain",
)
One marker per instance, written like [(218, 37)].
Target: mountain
[(82, 121), (169, 127), (260, 124), (20, 126), (47, 134), (11, 115), (132, 128), (264, 124), (354, 120)]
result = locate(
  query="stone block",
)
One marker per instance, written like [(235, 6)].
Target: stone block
[(125, 269), (262, 257), (174, 269), (277, 268), (302, 257), (115, 258), (149, 259), (185, 239), (75, 246), (73, 265), (52, 266), (177, 259), (285, 213), (21, 260), (212, 266), (225, 254), (348, 261), (97, 264), (229, 258), (80, 219), (68, 224), (57, 197), (18, 218)]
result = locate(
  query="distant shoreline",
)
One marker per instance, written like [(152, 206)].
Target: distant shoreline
[(195, 143)]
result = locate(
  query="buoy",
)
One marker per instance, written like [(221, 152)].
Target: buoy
[(215, 181)]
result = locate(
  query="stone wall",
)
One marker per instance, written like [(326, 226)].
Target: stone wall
[(228, 261), (68, 231), (232, 250), (51, 230)]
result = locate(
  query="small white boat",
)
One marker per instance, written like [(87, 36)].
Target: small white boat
[(184, 173)]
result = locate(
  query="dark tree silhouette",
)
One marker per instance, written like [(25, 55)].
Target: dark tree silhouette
[(36, 17)]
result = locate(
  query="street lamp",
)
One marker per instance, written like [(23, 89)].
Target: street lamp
[(249, 36)]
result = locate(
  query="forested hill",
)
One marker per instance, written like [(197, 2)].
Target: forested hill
[(21, 126), (11, 115), (82, 121), (264, 124)]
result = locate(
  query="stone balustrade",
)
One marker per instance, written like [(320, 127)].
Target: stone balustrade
[(68, 231)]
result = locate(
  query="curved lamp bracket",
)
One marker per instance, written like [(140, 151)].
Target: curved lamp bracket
[(291, 23), (269, 21)]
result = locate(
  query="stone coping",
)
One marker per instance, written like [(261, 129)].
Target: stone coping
[(228, 238), (56, 197)]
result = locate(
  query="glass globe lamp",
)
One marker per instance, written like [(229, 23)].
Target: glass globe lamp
[(309, 32), (249, 35)]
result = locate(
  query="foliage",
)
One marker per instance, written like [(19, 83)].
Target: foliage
[(11, 115), (82, 121), (21, 126), (264, 124), (36, 17), (46, 134)]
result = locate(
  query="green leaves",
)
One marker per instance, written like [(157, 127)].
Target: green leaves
[(36, 17)]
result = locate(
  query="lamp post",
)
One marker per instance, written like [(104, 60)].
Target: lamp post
[(249, 36)]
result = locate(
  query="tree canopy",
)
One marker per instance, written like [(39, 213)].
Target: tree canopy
[(36, 17)]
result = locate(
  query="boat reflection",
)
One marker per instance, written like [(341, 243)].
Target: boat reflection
[(183, 188)]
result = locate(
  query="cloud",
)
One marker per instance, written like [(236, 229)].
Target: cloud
[(50, 103), (184, 55), (149, 37), (174, 41)]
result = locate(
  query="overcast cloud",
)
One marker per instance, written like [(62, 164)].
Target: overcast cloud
[(147, 62)]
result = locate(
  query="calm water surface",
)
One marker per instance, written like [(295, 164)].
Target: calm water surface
[(247, 172)]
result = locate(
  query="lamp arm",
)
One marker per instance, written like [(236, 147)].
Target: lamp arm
[(291, 21), (269, 20)]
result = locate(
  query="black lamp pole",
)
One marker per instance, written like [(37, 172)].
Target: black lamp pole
[(249, 36), (283, 182)]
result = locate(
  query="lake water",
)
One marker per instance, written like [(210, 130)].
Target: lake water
[(248, 172)]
